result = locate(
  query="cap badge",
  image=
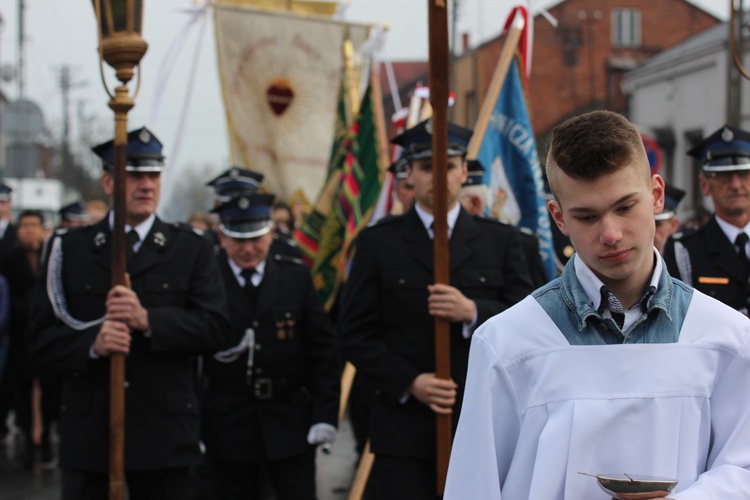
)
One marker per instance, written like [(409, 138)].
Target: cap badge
[(144, 136), (727, 135), (159, 239), (243, 203), (100, 239), (234, 173)]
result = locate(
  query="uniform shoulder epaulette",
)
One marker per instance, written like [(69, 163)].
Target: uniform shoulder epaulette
[(288, 259), (67, 231), (285, 238), (527, 231), (489, 220), (182, 226), (687, 234), (385, 221)]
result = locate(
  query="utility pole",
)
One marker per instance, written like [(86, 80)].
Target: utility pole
[(734, 78), (21, 52)]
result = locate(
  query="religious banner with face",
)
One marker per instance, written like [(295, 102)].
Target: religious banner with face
[(280, 75)]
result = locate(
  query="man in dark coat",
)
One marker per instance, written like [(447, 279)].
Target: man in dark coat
[(7, 229), (20, 266), (388, 308), (714, 258), (175, 310), (275, 395)]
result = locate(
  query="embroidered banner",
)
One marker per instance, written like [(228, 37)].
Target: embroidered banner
[(280, 74)]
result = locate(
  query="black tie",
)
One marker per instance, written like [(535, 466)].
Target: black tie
[(740, 243), (250, 290), (131, 238)]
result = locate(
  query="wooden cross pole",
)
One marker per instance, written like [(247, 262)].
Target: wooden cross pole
[(439, 82)]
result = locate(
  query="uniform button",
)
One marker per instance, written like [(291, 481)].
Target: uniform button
[(127, 384), (401, 281), (257, 347), (189, 406), (259, 370), (255, 324), (288, 315), (165, 286), (482, 279), (64, 407), (87, 287)]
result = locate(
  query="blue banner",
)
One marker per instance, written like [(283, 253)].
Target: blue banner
[(512, 171)]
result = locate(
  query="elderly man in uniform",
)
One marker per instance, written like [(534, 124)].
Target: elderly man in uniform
[(235, 182), (274, 396), (175, 309), (714, 258), (390, 302)]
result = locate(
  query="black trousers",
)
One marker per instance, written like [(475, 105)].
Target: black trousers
[(292, 478), (397, 478), (159, 484)]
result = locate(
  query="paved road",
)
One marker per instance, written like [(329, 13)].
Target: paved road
[(335, 471)]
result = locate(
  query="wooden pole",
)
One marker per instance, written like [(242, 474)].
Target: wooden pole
[(363, 473), (120, 104), (439, 89), (496, 85)]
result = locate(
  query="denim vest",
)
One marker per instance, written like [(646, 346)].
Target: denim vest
[(566, 302)]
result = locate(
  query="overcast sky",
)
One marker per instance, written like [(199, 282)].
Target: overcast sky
[(63, 33)]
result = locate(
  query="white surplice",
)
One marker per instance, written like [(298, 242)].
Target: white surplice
[(538, 410)]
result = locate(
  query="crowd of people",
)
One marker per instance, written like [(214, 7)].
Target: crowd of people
[(628, 361)]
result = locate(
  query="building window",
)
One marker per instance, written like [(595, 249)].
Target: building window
[(626, 27)]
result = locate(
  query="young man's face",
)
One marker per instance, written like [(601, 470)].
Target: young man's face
[(610, 222), (730, 192), (420, 176), (246, 252), (30, 232), (141, 194)]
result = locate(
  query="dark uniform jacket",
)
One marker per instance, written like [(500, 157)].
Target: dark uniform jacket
[(294, 381), (8, 240), (707, 260), (20, 278), (387, 332), (175, 277)]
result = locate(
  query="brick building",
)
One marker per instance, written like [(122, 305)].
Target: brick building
[(578, 65)]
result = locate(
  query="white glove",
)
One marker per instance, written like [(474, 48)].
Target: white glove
[(321, 434)]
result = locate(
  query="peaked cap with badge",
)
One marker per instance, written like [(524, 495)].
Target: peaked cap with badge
[(5, 191), (144, 152), (725, 150), (672, 197), (417, 141), (246, 216), (75, 212), (235, 181)]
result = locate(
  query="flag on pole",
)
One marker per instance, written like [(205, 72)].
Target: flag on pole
[(327, 239), (508, 152)]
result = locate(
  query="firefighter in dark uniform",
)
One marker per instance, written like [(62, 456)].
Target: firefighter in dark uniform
[(667, 222), (274, 396), (388, 308), (714, 258), (175, 309), (235, 182)]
